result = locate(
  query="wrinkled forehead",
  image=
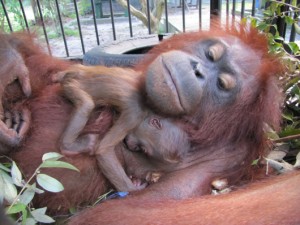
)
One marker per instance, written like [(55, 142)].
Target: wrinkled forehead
[(243, 58), (239, 56)]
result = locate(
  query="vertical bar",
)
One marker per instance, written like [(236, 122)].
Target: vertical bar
[(79, 26), (227, 8), (215, 10), (243, 9), (293, 31), (166, 15), (281, 24), (129, 17), (149, 17), (112, 19), (44, 28), (215, 7), (253, 8), (95, 22), (24, 15), (62, 28), (293, 34), (233, 8), (6, 15), (183, 15), (200, 14), (227, 13), (281, 27)]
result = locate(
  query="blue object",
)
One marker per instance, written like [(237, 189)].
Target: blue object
[(119, 194), (113, 195)]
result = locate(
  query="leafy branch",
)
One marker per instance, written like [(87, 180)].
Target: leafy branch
[(19, 203), (289, 136)]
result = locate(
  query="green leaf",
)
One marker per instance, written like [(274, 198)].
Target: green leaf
[(268, 13), (51, 156), (244, 20), (58, 164), (289, 20), (24, 214), (72, 210), (2, 167), (255, 162), (293, 46), (16, 175), (49, 183), (16, 208), (30, 221), (278, 12), (288, 132), (274, 7), (297, 163), (27, 196), (39, 191), (295, 90), (39, 210), (35, 189), (6, 177), (262, 26), (288, 116), (278, 38), (10, 192), (292, 82), (297, 28), (39, 215), (9, 189), (272, 135), (253, 22)]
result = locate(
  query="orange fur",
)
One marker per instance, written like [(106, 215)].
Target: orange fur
[(224, 142), (275, 201)]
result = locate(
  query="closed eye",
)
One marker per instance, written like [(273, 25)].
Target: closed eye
[(226, 82)]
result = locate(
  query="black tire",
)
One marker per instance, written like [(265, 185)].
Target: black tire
[(116, 54), (96, 57)]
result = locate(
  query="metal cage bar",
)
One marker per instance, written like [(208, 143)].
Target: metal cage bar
[(149, 17), (253, 8), (242, 9), (200, 13), (43, 25), (6, 15), (62, 28), (129, 18), (112, 19), (79, 26), (183, 12), (24, 15), (95, 22), (166, 16)]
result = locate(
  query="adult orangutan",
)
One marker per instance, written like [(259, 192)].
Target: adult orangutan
[(220, 87), (12, 125), (274, 201)]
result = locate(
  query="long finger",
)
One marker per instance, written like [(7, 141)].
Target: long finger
[(25, 81), (25, 122)]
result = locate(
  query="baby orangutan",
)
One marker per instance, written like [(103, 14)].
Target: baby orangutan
[(158, 138)]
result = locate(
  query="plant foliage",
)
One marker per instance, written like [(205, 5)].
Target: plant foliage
[(18, 193), (276, 14)]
